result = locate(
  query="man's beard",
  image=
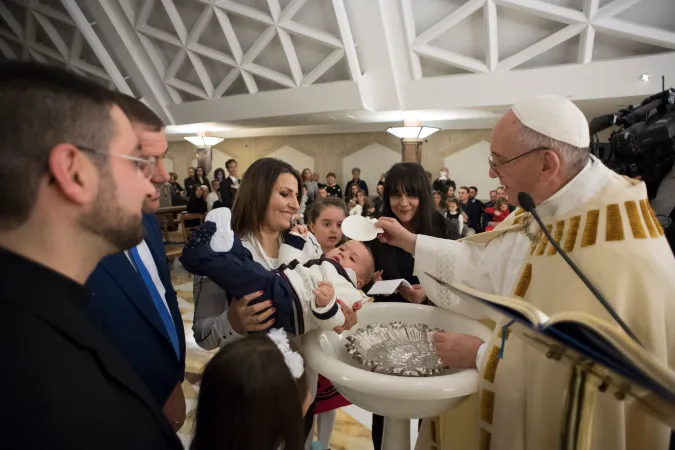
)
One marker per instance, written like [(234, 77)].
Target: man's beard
[(120, 229)]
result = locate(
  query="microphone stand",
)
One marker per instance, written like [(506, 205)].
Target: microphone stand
[(580, 401)]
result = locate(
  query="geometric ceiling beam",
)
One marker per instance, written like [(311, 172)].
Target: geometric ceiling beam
[(275, 9), (50, 12), (203, 75), (338, 96), (451, 58), (87, 31), (540, 47), (159, 35), (198, 29), (270, 74), (175, 64), (291, 9), (226, 83), (187, 87), (12, 38), (244, 11), (492, 36), (602, 80), (52, 33), (616, 7), (250, 82), (121, 38), (258, 46), (347, 39), (641, 33), (308, 32), (409, 24), (213, 54), (587, 39), (91, 69), (11, 21), (323, 67), (291, 55), (175, 19), (47, 51), (546, 10), (6, 50), (585, 53), (76, 47), (449, 21), (143, 14), (230, 35)]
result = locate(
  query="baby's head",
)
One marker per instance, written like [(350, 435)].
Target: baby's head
[(356, 256), (256, 383)]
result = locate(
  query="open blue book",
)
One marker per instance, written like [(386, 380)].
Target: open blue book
[(606, 351)]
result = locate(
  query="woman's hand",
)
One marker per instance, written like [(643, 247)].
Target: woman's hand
[(350, 316), (244, 317), (413, 295), (394, 234), (457, 350)]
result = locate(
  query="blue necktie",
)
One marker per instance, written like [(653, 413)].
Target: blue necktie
[(157, 298)]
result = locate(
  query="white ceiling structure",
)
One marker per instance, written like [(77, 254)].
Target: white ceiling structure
[(262, 67)]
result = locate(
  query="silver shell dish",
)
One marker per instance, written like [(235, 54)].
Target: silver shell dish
[(396, 349)]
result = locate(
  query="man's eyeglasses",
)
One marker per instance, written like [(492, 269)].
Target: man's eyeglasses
[(496, 165), (146, 165)]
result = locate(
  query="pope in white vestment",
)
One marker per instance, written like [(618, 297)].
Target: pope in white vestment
[(605, 223)]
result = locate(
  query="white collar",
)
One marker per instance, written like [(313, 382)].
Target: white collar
[(581, 187), (352, 276)]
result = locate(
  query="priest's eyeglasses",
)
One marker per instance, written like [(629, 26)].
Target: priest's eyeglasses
[(496, 165), (145, 165)]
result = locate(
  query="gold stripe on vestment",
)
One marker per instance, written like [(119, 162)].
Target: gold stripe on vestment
[(491, 365), (543, 241), (559, 228), (590, 233), (634, 220), (487, 407), (485, 439), (519, 212), (656, 221), (491, 324), (524, 281), (518, 220), (571, 239), (614, 225), (647, 216)]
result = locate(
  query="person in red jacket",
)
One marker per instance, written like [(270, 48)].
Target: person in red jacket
[(499, 213)]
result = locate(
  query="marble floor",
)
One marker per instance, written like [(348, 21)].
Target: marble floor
[(352, 428)]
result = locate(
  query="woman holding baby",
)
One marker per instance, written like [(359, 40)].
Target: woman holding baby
[(265, 204)]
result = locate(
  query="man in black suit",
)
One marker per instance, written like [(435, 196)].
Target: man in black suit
[(473, 193), (471, 210), (228, 189), (81, 182), (133, 301)]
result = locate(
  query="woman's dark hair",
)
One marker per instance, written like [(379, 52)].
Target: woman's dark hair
[(255, 190), (216, 172), (250, 400), (329, 202), (302, 174), (410, 179)]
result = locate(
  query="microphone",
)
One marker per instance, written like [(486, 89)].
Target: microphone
[(528, 205)]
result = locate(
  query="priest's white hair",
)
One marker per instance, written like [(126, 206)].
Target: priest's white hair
[(573, 158)]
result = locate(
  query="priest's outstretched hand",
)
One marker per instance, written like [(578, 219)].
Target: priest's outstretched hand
[(457, 351), (395, 234)]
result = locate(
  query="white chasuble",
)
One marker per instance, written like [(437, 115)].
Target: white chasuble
[(606, 225)]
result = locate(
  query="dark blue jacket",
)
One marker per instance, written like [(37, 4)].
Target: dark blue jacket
[(124, 310)]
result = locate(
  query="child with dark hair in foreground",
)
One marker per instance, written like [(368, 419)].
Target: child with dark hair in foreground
[(304, 295), (254, 394)]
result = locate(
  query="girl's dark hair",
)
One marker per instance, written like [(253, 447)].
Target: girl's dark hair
[(302, 174), (410, 179), (217, 171), (255, 190), (329, 202), (452, 200), (250, 400)]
